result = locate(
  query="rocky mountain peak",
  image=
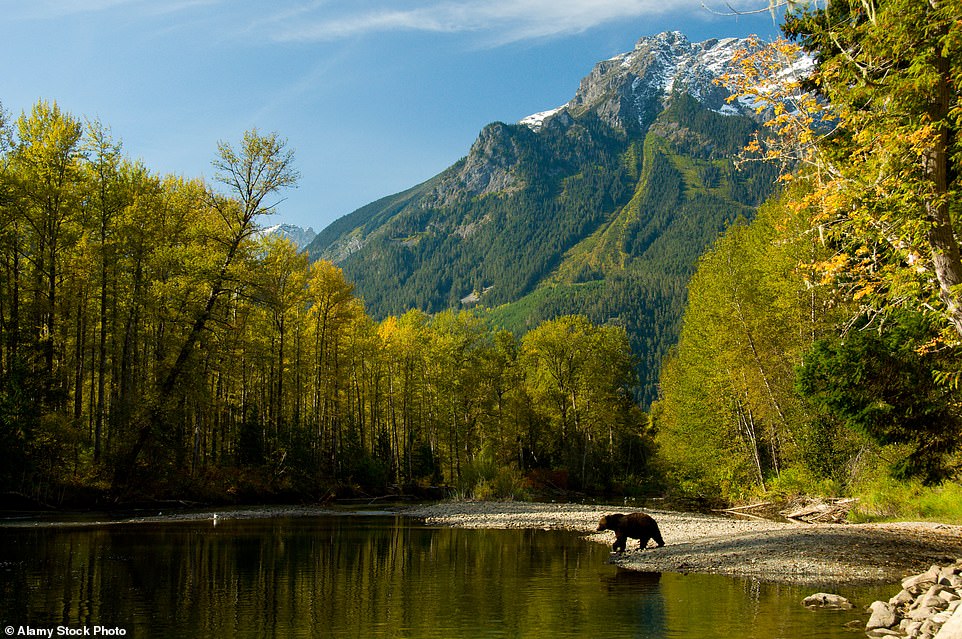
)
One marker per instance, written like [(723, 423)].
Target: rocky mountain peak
[(626, 91), (301, 237), (488, 168)]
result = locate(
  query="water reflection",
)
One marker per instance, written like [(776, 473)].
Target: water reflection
[(382, 576), (632, 582)]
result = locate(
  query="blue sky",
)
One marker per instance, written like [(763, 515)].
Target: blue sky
[(374, 96)]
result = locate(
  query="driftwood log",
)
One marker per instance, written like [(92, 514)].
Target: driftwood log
[(821, 511), (808, 510)]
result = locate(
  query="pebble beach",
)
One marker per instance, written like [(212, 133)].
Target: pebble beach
[(779, 551)]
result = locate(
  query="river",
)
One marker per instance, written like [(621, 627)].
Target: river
[(371, 575)]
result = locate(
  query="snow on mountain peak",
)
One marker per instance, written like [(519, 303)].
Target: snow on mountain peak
[(301, 237), (657, 66), (536, 120)]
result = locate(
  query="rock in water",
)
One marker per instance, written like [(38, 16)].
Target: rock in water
[(827, 601), (883, 616), (927, 607)]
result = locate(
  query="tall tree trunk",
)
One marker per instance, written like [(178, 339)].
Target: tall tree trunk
[(79, 357), (101, 352), (946, 260)]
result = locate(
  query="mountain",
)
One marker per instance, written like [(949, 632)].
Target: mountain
[(301, 237), (601, 206)]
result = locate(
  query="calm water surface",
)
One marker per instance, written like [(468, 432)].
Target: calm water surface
[(374, 576)]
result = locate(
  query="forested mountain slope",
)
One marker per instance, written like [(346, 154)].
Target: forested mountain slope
[(600, 207)]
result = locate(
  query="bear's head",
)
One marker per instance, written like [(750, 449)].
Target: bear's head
[(608, 522)]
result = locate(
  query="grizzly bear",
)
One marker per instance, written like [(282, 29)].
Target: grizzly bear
[(635, 525)]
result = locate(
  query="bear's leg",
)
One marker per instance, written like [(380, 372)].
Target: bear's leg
[(642, 543), (620, 542), (656, 535)]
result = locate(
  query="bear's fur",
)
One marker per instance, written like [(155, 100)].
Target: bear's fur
[(635, 525)]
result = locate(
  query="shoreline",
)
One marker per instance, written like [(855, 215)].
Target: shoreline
[(767, 550), (724, 544)]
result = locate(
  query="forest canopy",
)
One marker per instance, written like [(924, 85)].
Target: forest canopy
[(154, 342), (821, 342)]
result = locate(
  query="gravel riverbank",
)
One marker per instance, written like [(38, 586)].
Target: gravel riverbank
[(764, 549)]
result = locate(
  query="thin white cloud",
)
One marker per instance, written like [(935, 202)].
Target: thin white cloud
[(502, 21), (374, 21), (494, 22), (52, 9), (59, 9)]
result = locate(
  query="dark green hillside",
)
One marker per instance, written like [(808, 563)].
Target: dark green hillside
[(634, 270), (368, 217), (429, 257)]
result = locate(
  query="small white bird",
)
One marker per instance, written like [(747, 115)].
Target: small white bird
[(215, 519)]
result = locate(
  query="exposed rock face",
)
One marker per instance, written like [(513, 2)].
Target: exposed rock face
[(301, 237), (344, 247), (490, 167), (626, 92)]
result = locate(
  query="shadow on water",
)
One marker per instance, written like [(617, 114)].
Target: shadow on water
[(632, 582), (371, 576)]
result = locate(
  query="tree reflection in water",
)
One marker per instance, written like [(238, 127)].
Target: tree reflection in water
[(373, 576)]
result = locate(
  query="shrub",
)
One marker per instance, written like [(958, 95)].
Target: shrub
[(885, 498), (484, 480)]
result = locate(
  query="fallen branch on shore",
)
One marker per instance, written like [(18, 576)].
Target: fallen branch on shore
[(743, 511), (821, 511), (736, 509)]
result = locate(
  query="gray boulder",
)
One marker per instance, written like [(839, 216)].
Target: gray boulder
[(828, 601), (883, 616), (952, 629)]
